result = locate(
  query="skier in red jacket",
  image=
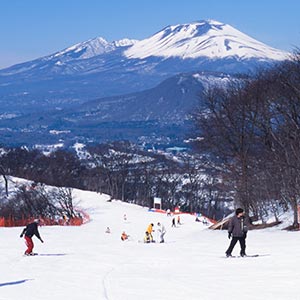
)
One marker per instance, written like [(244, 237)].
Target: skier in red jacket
[(29, 231)]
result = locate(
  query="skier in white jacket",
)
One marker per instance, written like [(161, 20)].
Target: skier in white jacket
[(162, 231)]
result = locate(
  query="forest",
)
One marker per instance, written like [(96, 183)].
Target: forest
[(252, 127)]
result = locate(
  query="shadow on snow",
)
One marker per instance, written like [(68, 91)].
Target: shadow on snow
[(14, 282)]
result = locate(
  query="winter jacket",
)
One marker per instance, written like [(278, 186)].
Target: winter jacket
[(161, 228), (238, 227), (124, 236), (31, 230), (150, 228)]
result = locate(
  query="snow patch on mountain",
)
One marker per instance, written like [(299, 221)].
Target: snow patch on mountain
[(93, 47), (208, 38), (124, 42), (211, 80), (87, 49)]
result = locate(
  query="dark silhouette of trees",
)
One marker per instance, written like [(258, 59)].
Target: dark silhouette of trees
[(35, 201), (252, 128)]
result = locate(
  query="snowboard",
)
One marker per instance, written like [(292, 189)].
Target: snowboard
[(246, 256)]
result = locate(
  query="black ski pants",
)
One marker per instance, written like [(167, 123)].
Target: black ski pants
[(233, 242)]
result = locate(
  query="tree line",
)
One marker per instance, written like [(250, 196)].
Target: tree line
[(125, 172), (250, 128)]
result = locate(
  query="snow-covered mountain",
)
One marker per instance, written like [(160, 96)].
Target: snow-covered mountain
[(129, 65), (210, 39), (97, 69)]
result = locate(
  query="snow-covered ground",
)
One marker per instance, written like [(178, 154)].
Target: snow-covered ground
[(85, 263)]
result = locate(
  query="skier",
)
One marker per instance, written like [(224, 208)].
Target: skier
[(237, 229), (150, 230), (162, 231), (29, 231), (124, 236), (173, 222), (178, 220)]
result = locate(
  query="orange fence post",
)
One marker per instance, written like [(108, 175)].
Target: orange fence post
[(298, 207)]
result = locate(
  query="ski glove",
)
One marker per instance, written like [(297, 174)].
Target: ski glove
[(229, 235), (21, 235)]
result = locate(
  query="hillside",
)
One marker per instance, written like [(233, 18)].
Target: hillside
[(87, 263), (161, 112)]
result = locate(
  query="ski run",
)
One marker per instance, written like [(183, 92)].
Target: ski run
[(86, 263)]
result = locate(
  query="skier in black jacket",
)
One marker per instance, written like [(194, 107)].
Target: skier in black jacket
[(29, 231), (237, 229)]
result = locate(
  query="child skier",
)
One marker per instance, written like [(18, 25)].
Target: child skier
[(29, 231)]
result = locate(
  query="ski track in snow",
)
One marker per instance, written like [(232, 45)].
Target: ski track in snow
[(105, 283)]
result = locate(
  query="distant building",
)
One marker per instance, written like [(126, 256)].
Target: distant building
[(176, 150)]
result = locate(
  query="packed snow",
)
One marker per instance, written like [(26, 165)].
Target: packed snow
[(87, 263)]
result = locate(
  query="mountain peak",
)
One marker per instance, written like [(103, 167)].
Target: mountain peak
[(205, 38), (90, 48), (86, 49)]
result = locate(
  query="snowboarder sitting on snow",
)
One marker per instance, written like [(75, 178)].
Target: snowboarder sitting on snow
[(237, 229), (124, 236), (29, 231), (147, 238)]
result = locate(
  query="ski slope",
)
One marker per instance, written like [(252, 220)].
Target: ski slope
[(85, 263)]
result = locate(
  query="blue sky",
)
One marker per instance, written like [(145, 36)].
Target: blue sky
[(34, 28)]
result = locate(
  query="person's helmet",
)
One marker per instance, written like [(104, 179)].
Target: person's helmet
[(37, 221)]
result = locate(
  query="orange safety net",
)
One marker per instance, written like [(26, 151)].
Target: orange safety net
[(74, 221)]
